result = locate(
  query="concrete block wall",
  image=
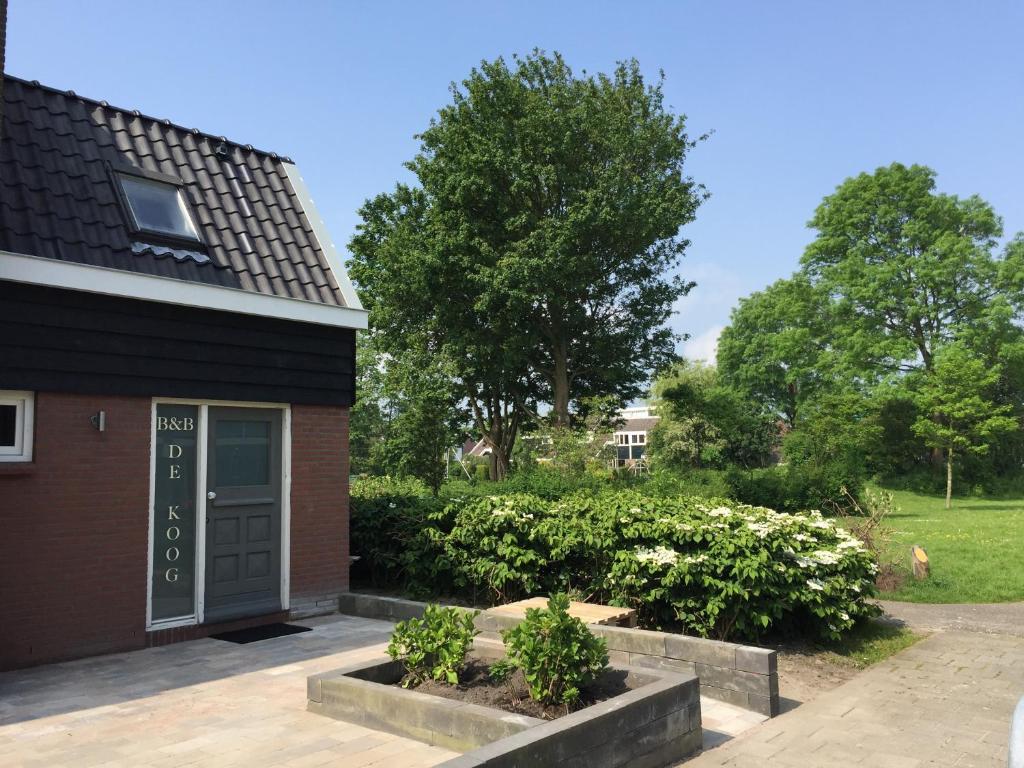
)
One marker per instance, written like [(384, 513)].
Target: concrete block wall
[(742, 675)]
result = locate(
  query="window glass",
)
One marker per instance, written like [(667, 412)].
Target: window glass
[(174, 513), (16, 426), (243, 453), (8, 426), (158, 207)]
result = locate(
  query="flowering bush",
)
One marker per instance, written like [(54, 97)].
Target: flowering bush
[(709, 567), (494, 550), (724, 570)]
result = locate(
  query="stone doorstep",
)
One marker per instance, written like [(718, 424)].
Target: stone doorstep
[(653, 721)]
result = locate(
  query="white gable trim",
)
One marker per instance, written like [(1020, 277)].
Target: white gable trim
[(323, 237), (117, 282)]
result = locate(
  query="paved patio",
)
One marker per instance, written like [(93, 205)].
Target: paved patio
[(212, 703), (945, 701)]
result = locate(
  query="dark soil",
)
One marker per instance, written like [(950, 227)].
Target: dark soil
[(512, 695)]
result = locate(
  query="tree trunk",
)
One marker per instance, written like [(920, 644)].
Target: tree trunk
[(499, 464), (949, 478), (560, 386)]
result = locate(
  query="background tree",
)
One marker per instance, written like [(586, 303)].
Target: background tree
[(407, 415), (957, 412), (535, 253), (774, 349), (367, 419), (909, 268), (706, 423)]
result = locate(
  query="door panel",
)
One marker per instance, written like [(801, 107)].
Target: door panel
[(243, 513)]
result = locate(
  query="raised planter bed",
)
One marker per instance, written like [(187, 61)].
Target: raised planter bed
[(742, 675), (654, 723)]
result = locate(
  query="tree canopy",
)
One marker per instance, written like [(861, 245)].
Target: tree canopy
[(846, 350), (536, 252), (908, 268)]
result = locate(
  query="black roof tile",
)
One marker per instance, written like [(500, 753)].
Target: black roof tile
[(57, 198)]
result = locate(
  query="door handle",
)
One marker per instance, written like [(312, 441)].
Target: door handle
[(211, 495)]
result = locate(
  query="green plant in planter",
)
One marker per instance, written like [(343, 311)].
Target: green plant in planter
[(556, 651), (434, 647)]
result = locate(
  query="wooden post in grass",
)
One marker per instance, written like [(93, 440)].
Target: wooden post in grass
[(919, 562)]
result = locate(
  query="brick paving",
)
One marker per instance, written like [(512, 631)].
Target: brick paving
[(945, 701), (200, 703), (212, 703)]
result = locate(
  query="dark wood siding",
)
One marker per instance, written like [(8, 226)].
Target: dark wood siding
[(69, 341)]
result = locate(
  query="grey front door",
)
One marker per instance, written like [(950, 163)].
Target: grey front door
[(243, 513)]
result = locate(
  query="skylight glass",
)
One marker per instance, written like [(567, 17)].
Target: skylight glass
[(158, 207)]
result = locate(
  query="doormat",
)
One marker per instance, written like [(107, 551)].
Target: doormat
[(265, 632)]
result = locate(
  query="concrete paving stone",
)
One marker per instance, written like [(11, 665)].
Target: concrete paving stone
[(200, 703), (923, 707)]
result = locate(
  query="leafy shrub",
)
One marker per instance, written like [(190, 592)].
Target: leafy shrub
[(492, 550), (556, 651), (708, 567), (706, 483), (391, 529), (796, 488), (434, 647)]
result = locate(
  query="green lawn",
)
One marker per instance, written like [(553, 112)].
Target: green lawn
[(976, 549), (869, 642)]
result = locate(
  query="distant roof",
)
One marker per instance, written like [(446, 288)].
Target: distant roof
[(638, 425), (58, 199)]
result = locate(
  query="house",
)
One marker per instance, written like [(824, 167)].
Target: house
[(630, 438), (176, 371)]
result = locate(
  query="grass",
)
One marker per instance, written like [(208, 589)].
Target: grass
[(869, 642), (974, 549)]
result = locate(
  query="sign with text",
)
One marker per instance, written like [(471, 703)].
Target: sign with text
[(174, 514)]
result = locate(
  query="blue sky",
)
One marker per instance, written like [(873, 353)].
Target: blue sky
[(799, 95)]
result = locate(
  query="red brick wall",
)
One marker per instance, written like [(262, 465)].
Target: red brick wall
[(74, 526), (319, 544), (74, 532)]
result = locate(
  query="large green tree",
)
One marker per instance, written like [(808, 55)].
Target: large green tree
[(958, 414), (536, 252), (908, 268)]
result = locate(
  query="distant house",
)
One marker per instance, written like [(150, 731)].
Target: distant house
[(176, 370), (631, 438)]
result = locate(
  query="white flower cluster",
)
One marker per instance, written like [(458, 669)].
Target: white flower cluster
[(695, 559), (658, 555), (720, 512), (850, 543), (816, 585), (825, 557), (761, 530)]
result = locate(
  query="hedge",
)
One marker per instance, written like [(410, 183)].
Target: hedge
[(707, 567)]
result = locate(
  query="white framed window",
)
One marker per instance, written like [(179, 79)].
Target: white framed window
[(17, 412)]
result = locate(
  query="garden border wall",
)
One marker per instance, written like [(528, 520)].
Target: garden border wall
[(743, 675)]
